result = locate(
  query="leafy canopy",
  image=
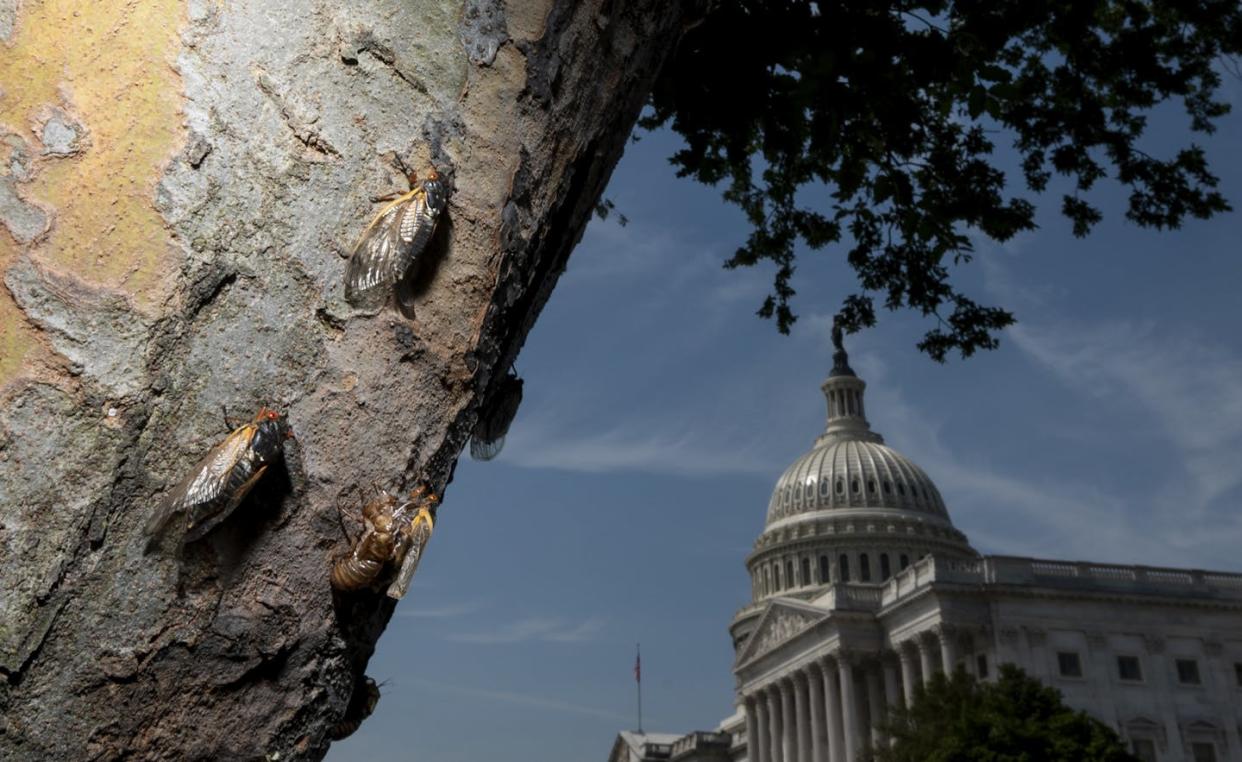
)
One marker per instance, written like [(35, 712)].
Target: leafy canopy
[(1015, 719), (872, 126)]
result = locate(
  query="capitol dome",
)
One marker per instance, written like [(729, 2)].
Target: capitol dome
[(852, 511), (848, 474)]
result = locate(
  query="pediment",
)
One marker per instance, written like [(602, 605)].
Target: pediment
[(782, 620)]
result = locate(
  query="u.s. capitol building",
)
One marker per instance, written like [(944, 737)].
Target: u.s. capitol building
[(862, 587)]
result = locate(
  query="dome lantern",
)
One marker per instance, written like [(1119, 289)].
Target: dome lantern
[(843, 390)]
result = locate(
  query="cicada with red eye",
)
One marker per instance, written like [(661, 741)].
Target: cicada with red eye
[(221, 480), (392, 243), (495, 417)]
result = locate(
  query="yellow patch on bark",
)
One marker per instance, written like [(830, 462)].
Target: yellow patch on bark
[(110, 67)]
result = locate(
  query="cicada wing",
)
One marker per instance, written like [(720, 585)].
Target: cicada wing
[(488, 437), (485, 449), (419, 537), (205, 521), (207, 484)]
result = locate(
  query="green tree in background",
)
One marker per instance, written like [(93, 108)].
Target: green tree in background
[(873, 127), (1015, 719)]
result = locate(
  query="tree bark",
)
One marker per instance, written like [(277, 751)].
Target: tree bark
[(180, 185)]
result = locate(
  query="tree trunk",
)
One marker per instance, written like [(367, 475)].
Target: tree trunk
[(180, 184)]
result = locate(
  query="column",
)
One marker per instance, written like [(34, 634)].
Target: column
[(819, 724), (760, 750), (752, 728), (948, 649), (908, 676), (832, 708), (849, 709), (875, 701), (892, 683), (928, 660), (789, 751), (774, 725), (803, 724)]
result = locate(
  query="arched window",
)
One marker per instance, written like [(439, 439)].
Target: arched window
[(888, 487), (840, 487), (810, 488), (864, 568), (886, 570), (824, 570), (901, 490), (843, 570), (806, 571), (776, 577), (905, 560), (823, 487), (767, 580), (789, 577), (854, 486)]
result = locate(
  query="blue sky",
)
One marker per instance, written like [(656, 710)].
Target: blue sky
[(659, 412)]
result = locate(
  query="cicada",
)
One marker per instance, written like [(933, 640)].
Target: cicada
[(361, 705), (394, 533), (488, 436), (219, 482), (414, 538), (392, 243)]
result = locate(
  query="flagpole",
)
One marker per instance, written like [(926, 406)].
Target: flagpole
[(638, 678)]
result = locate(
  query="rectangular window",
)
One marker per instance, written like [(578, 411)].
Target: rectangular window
[(806, 571), (1237, 673), (1069, 663), (1187, 671), (981, 661), (1128, 668), (1203, 752), (1144, 749)]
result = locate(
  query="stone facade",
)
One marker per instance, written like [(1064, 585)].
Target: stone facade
[(1154, 653)]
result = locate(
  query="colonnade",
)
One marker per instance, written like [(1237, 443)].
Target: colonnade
[(828, 710)]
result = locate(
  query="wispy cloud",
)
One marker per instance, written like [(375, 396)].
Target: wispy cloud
[(613, 252), (653, 445), (535, 629), (1191, 389), (1065, 518), (524, 699), (448, 611)]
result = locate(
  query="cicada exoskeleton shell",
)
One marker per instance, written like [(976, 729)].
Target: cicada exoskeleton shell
[(370, 554), (221, 480), (391, 244)]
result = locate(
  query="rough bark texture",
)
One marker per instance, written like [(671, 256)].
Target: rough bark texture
[(178, 186)]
